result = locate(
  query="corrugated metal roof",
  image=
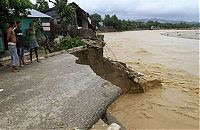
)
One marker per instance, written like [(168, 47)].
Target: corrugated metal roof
[(37, 14)]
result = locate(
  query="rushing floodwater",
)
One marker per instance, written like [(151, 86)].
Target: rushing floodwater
[(173, 60), (151, 47)]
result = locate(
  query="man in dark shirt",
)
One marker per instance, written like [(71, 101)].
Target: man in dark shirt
[(20, 43)]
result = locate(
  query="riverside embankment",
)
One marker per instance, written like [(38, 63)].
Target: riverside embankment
[(54, 94), (173, 99), (175, 62)]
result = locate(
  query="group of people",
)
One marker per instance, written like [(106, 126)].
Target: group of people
[(17, 44)]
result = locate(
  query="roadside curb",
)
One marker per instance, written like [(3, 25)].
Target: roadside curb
[(55, 53)]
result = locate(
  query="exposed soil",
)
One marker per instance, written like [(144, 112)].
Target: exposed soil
[(117, 73)]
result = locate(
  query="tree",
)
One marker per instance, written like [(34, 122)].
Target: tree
[(115, 22), (12, 9), (41, 5), (107, 20), (112, 21), (65, 12), (128, 25), (96, 18), (149, 24)]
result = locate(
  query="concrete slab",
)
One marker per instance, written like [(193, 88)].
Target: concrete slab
[(56, 93)]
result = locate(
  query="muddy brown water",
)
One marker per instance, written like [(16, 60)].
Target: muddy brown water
[(173, 60)]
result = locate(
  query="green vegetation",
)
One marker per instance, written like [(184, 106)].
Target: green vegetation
[(123, 25), (112, 21), (13, 10), (96, 18), (65, 12), (38, 27), (67, 43), (41, 5)]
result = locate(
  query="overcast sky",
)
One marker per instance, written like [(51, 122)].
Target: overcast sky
[(137, 9)]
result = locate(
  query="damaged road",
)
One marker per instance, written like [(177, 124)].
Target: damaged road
[(116, 72), (56, 93)]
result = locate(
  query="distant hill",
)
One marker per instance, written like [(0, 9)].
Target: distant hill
[(164, 21)]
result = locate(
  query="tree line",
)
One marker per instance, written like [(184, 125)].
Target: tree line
[(66, 14), (123, 25)]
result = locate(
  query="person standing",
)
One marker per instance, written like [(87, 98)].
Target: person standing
[(20, 43), (32, 41), (11, 39)]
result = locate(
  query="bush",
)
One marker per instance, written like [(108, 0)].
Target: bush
[(71, 43)]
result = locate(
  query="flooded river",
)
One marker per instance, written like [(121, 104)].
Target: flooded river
[(173, 60)]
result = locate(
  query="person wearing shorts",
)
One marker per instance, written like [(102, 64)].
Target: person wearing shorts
[(33, 44)]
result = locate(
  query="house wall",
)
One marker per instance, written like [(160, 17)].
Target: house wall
[(1, 45), (84, 23), (26, 22)]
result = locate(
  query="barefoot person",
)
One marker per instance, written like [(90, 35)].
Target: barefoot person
[(32, 41), (20, 43), (11, 39)]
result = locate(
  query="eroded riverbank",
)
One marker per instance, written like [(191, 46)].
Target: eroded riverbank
[(130, 81), (175, 62)]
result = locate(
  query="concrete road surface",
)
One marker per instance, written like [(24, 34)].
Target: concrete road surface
[(56, 93)]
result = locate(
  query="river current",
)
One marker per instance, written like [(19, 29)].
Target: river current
[(173, 60)]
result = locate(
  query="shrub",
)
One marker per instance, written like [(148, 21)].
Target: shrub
[(71, 43)]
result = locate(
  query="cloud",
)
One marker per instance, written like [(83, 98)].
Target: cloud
[(134, 9)]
